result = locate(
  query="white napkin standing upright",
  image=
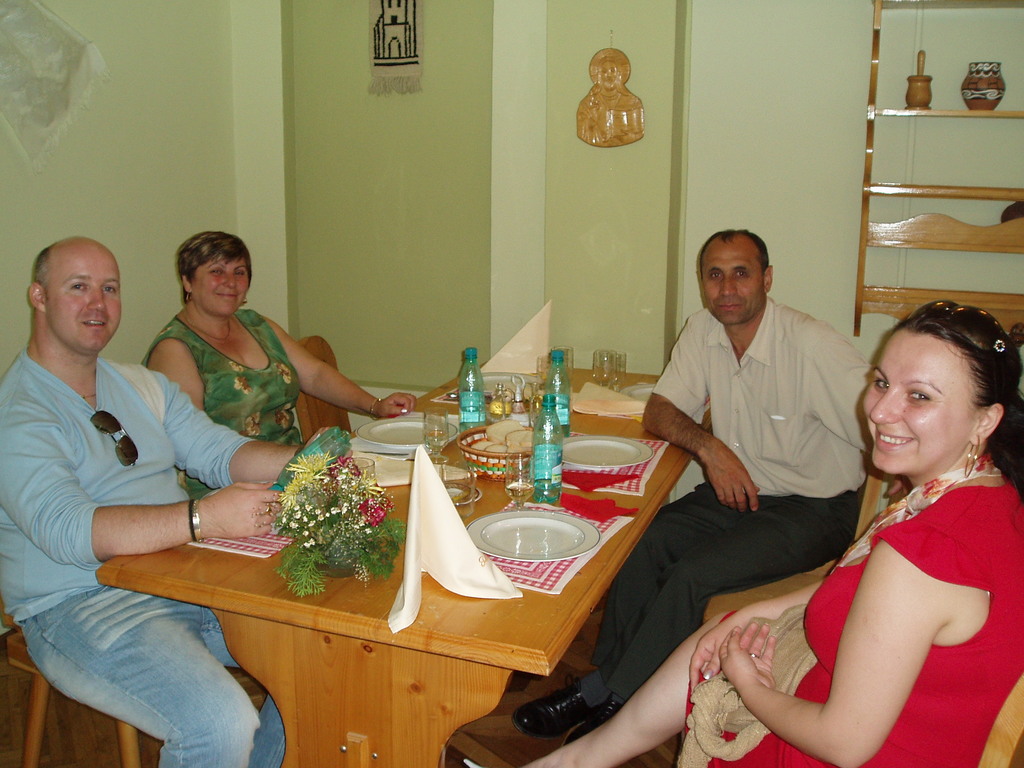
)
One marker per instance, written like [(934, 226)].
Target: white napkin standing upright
[(520, 353), (436, 541)]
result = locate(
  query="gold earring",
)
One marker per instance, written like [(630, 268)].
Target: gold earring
[(972, 457)]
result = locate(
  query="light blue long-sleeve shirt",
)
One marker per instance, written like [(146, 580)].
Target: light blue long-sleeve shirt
[(56, 468)]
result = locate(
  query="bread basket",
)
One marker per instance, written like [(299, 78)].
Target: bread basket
[(485, 463)]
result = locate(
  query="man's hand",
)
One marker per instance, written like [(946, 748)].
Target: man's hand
[(239, 510), (723, 468), (729, 477)]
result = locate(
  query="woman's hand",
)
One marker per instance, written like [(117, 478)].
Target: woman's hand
[(393, 405), (747, 655), (239, 510), (705, 663)]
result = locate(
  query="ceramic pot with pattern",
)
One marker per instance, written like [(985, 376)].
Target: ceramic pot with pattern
[(983, 88)]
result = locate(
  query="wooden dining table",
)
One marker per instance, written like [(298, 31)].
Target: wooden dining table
[(351, 692)]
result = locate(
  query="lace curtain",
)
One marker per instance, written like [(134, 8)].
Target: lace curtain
[(47, 70)]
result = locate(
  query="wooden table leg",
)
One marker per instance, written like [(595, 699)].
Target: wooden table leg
[(358, 704)]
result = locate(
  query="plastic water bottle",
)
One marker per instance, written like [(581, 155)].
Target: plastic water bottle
[(472, 412), (558, 384), (547, 453)]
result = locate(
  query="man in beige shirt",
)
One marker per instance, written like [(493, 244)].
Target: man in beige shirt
[(782, 469)]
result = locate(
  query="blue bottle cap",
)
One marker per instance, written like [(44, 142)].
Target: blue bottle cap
[(470, 353), (557, 356)]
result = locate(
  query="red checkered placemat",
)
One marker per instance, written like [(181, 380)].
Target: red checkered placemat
[(633, 486), (255, 546), (551, 577)]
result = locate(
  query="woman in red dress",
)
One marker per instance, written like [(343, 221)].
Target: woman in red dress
[(917, 631)]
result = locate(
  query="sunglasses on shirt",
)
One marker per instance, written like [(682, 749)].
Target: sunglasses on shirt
[(124, 447)]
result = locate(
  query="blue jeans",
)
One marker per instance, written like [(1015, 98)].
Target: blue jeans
[(159, 665)]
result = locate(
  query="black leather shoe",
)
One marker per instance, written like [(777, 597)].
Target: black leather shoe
[(554, 714), (598, 716)]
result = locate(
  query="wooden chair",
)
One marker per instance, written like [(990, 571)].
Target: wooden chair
[(1005, 745), (314, 413), (871, 494), (39, 699)]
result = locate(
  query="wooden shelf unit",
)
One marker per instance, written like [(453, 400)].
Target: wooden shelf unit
[(932, 231)]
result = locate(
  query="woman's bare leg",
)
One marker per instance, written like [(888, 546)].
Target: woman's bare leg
[(652, 715)]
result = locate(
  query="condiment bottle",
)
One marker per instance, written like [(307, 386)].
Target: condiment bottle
[(520, 408), (500, 407)]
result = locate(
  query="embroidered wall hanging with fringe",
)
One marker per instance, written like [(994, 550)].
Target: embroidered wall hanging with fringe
[(47, 70), (396, 49)]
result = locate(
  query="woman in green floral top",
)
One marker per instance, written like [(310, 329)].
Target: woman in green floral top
[(238, 366)]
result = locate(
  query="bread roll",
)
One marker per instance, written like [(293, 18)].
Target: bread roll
[(519, 440), (497, 432)]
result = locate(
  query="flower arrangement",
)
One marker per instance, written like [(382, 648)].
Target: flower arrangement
[(329, 507)]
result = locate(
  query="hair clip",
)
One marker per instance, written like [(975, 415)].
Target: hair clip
[(999, 345)]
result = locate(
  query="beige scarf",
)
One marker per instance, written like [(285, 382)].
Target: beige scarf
[(918, 499)]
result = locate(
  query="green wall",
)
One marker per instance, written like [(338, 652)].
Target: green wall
[(392, 194), (149, 161), (154, 158), (608, 211), (370, 218)]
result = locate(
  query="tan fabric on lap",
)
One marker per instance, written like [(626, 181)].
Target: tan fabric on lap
[(717, 707)]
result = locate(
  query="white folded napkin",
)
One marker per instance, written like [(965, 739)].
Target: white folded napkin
[(602, 401), (389, 470), (520, 353), (436, 541)]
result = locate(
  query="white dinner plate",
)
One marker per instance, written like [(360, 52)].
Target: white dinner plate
[(639, 391), (402, 432), (533, 535), (604, 452)]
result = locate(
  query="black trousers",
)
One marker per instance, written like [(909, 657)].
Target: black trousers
[(696, 548)]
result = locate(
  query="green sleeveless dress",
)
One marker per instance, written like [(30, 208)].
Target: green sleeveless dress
[(256, 403)]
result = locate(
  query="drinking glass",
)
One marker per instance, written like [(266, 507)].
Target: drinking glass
[(619, 379), (460, 482), (435, 431), (367, 468), (543, 363), (518, 478), (604, 367)]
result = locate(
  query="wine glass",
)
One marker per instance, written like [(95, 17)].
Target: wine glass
[(435, 432), (518, 478)]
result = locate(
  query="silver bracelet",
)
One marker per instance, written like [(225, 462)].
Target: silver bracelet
[(193, 520)]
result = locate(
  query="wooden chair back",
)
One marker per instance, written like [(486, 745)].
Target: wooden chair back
[(1005, 745), (314, 413)]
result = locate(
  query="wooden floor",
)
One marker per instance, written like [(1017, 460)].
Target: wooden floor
[(79, 737)]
